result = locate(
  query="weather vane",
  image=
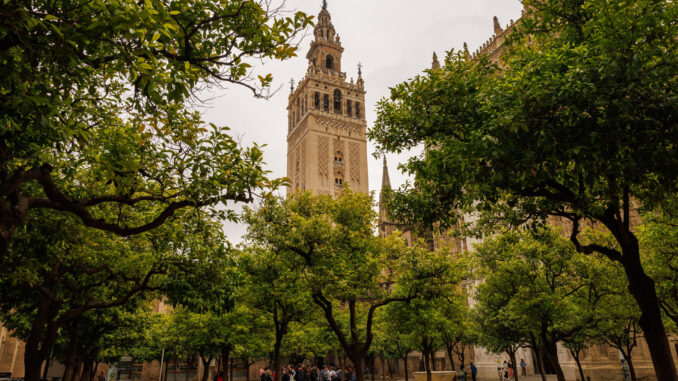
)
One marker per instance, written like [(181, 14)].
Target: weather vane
[(360, 68), (324, 4), (291, 84)]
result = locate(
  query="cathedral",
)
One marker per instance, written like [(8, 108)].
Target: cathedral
[(326, 140)]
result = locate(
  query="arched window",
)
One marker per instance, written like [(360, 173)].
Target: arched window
[(317, 100), (338, 157), (329, 62), (337, 101), (326, 102), (349, 110), (357, 109)]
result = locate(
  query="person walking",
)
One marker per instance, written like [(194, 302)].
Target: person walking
[(474, 372), (102, 376), (523, 368)]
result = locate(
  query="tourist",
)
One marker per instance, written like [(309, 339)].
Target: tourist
[(102, 376), (267, 375), (523, 368), (510, 371), (504, 370), (285, 375), (314, 375), (474, 372), (462, 373)]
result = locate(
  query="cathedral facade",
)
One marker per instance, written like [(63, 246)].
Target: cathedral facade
[(326, 139)]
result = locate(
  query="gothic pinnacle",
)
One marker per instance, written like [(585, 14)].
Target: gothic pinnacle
[(497, 27), (436, 64)]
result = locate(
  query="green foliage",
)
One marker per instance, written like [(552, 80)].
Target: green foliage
[(577, 121), (659, 243), (348, 272), (531, 289), (95, 114)]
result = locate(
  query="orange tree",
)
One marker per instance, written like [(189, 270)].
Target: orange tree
[(580, 122), (94, 114)]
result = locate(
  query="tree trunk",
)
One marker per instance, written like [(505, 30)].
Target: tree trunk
[(188, 361), (40, 340), (575, 354), (47, 363), (407, 373), (427, 361), (225, 356), (512, 356), (540, 361), (390, 370), (276, 356), (77, 371), (230, 371), (632, 369), (643, 290), (450, 355), (552, 354), (205, 367), (70, 362), (359, 363), (86, 371)]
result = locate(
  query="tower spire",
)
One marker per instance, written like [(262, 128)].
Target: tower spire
[(324, 4), (436, 64), (385, 179)]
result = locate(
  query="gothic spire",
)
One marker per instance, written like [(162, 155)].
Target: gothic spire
[(435, 65), (385, 179)]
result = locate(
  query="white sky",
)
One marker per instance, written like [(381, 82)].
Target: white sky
[(394, 40)]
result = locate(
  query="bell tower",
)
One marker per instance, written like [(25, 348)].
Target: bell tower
[(326, 140)]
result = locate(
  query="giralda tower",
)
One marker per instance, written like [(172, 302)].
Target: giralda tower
[(326, 143)]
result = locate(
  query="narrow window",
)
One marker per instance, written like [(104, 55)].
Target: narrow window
[(357, 110), (326, 102), (337, 101), (349, 110), (317, 101), (329, 62)]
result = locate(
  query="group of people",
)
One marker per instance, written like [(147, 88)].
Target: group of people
[(302, 373), (507, 370), (463, 373)]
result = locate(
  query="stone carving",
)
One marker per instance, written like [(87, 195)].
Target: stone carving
[(303, 164), (354, 164)]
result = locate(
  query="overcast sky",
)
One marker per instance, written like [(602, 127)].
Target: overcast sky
[(393, 39)]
